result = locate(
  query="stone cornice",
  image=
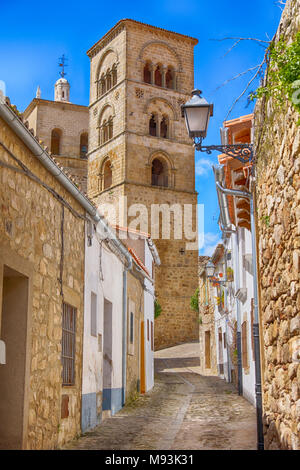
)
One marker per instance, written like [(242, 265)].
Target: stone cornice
[(121, 25), (36, 101)]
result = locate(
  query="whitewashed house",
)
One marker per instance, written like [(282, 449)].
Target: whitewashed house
[(106, 265), (232, 282), (114, 269)]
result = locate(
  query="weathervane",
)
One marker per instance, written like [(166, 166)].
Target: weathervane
[(62, 64)]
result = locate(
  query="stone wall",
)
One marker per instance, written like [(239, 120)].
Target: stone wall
[(135, 299), (277, 143), (31, 243), (206, 322)]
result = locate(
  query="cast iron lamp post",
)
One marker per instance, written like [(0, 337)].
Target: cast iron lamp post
[(197, 112)]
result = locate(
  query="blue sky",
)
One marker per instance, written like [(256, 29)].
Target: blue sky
[(34, 34)]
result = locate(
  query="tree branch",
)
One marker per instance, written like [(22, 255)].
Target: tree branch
[(247, 86), (237, 76)]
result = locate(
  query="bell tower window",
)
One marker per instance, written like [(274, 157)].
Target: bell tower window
[(107, 175), (147, 73), (158, 76), (159, 173), (164, 128), (152, 125)]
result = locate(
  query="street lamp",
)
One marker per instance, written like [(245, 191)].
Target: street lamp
[(210, 269), (197, 112)]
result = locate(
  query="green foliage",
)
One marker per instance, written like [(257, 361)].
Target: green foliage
[(200, 320), (195, 301), (157, 309), (266, 220), (283, 74)]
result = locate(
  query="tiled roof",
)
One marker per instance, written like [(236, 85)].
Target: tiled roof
[(138, 260)]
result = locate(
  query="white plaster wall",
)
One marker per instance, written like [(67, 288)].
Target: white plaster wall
[(111, 289), (249, 378)]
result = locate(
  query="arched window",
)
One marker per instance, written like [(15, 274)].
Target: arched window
[(152, 125), (114, 74), (159, 173), (110, 127), (170, 78), (147, 73), (164, 128), (107, 175), (83, 144), (158, 76), (56, 141), (102, 84), (108, 80)]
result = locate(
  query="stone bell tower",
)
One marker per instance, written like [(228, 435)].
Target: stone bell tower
[(139, 148)]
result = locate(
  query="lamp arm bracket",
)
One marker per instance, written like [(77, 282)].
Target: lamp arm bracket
[(241, 152)]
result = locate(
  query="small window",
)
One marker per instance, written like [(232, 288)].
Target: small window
[(152, 125), (114, 75), (164, 128), (131, 329), (55, 141), (93, 314), (158, 76), (224, 340), (147, 74), (68, 344), (83, 145), (108, 80), (159, 173), (169, 79), (107, 175)]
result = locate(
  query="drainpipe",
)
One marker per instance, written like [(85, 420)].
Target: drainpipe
[(258, 393)]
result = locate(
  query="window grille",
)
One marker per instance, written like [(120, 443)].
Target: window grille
[(68, 344), (131, 328)]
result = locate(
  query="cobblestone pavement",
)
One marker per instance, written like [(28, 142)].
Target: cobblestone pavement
[(185, 410)]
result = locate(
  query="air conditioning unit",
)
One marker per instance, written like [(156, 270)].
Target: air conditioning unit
[(241, 294)]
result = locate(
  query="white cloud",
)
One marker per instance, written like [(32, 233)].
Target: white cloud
[(203, 166), (211, 240)]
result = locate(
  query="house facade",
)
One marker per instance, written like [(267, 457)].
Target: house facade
[(42, 293)]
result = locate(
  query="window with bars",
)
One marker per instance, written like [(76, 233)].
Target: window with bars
[(68, 344), (131, 328)]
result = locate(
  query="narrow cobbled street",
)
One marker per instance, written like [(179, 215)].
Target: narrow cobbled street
[(184, 411)]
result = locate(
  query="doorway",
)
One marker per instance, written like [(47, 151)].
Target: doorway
[(13, 331), (107, 356), (207, 349), (142, 371)]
